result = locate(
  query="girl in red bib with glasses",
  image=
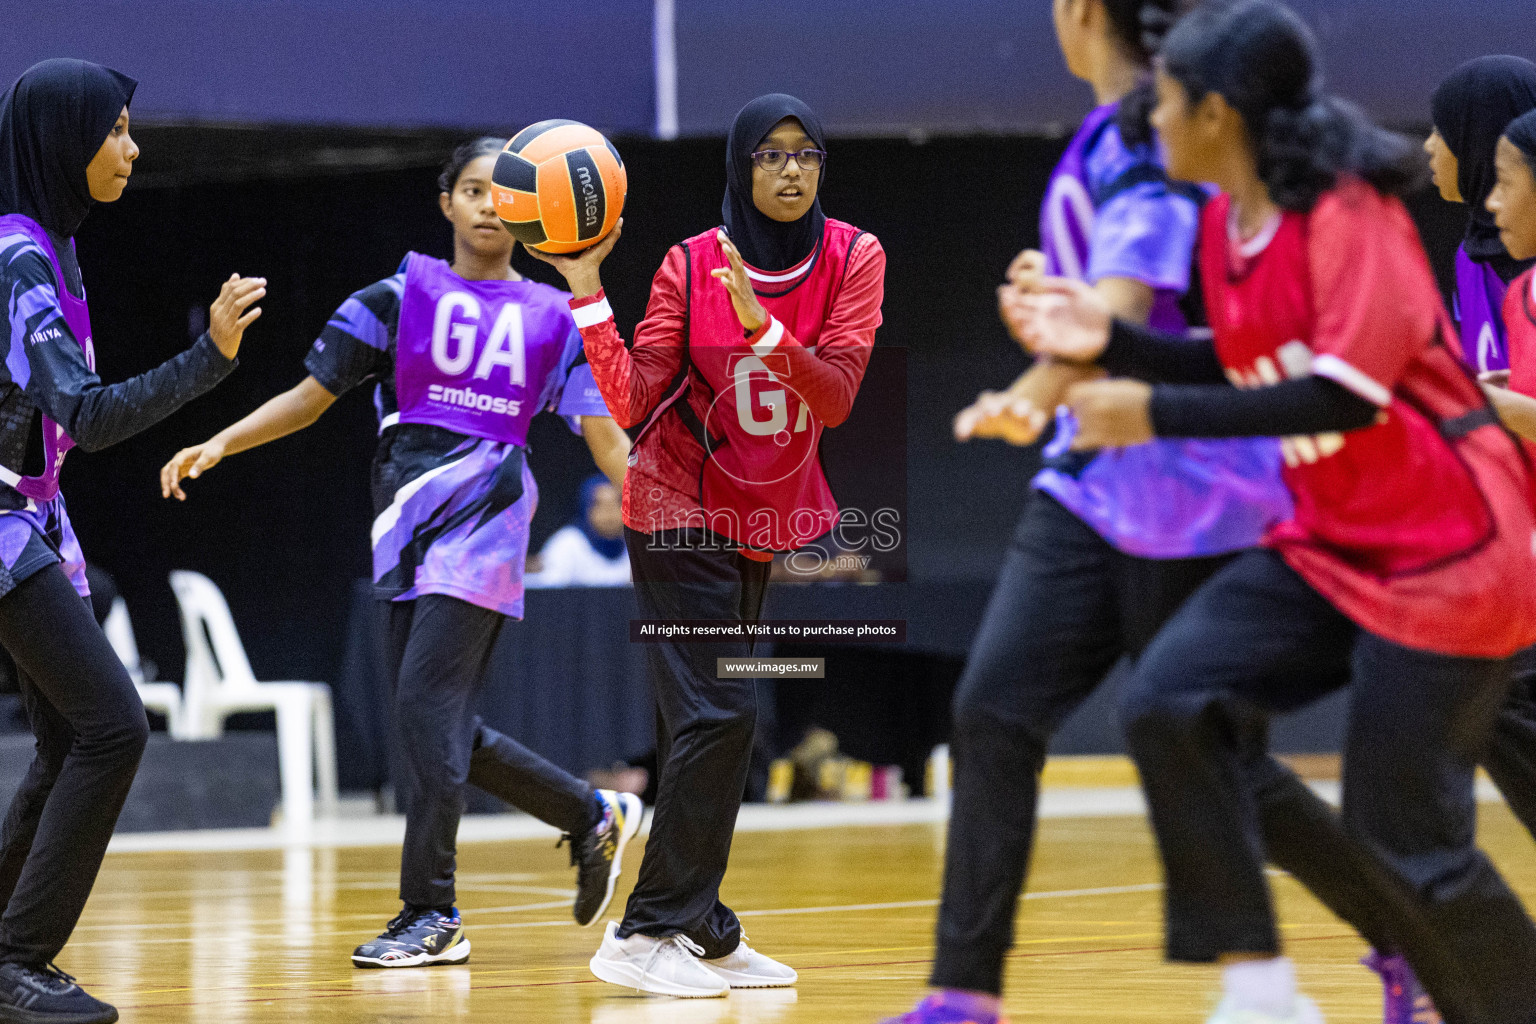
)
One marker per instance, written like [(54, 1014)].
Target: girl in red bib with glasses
[(755, 339)]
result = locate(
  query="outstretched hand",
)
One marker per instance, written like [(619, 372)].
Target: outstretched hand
[(189, 462), (580, 269), (1057, 316), (743, 298), (232, 312)]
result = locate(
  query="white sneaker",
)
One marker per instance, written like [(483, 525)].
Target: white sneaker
[(664, 967), (747, 968), (1303, 1011)]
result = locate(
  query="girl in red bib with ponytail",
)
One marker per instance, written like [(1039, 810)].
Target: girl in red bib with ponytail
[(755, 339), (1407, 564)]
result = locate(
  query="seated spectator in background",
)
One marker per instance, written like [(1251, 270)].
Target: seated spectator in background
[(589, 551)]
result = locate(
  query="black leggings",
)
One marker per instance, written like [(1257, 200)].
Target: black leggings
[(91, 730), (1066, 607), (1258, 636), (1511, 756), (441, 646), (704, 734)]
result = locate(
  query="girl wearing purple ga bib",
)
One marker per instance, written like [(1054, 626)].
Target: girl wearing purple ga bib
[(1110, 543), (463, 356), (64, 143), (1471, 109)]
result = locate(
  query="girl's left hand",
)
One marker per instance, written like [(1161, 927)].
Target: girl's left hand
[(748, 310), (1111, 413)]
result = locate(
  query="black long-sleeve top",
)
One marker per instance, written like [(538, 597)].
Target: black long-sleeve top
[(1191, 396), (45, 370)]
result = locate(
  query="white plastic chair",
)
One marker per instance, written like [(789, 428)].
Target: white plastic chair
[(162, 697), (220, 682)]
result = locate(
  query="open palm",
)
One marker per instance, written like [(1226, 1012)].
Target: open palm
[(1059, 317)]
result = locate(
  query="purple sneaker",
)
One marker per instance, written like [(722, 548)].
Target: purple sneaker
[(1403, 1002), (949, 1007)]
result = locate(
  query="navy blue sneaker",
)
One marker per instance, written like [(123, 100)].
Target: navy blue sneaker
[(416, 938), (599, 855), (31, 994)]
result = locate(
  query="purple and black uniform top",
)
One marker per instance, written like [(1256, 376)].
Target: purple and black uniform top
[(1110, 211), (1478, 303), (49, 376), (461, 368)]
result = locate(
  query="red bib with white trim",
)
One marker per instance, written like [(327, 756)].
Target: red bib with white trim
[(762, 483), (1394, 496), (1520, 325), (1416, 527)]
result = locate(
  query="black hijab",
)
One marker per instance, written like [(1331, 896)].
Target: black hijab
[(1522, 132), (52, 122), (765, 243), (1471, 109)]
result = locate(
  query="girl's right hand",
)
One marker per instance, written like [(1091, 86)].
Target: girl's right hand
[(580, 270), (189, 462), (228, 317), (1059, 317)]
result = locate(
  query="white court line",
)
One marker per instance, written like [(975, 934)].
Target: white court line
[(849, 908), (1055, 802), (390, 830), (1057, 894)]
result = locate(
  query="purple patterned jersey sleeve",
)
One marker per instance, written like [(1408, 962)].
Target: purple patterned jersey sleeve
[(354, 344), (572, 388), (581, 397), (1145, 233)]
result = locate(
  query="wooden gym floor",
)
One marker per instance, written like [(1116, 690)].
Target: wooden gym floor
[(229, 938)]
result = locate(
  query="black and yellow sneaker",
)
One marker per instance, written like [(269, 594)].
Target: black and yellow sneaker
[(416, 938), (43, 994), (599, 854)]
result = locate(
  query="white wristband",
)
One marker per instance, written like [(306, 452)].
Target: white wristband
[(592, 314), (771, 337)]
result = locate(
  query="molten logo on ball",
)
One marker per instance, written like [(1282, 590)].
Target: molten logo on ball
[(559, 186)]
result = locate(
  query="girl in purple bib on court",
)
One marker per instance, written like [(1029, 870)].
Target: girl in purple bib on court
[(462, 357), (1470, 109), (1111, 542), (64, 144)]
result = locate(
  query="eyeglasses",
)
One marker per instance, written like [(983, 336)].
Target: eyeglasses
[(777, 159)]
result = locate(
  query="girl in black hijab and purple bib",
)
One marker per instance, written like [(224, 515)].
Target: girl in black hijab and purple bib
[(1471, 109), (64, 144)]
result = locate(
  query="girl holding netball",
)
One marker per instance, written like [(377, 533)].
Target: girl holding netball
[(755, 340), (65, 144), (1408, 560), (1111, 543), (463, 356)]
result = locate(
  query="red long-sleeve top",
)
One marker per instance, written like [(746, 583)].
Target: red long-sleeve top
[(661, 487)]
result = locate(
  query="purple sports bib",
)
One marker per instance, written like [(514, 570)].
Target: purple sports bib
[(473, 356), (1480, 312), (1165, 498), (56, 443)]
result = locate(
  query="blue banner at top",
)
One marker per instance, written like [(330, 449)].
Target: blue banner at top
[(888, 67)]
